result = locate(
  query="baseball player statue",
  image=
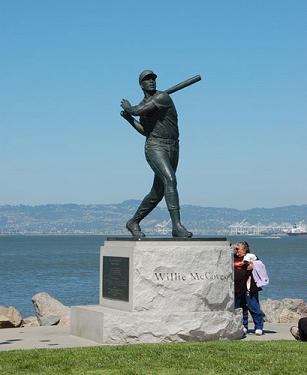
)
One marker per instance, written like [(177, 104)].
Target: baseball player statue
[(159, 124)]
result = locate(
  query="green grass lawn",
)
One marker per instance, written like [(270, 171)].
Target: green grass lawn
[(217, 357)]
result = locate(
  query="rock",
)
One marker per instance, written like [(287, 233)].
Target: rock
[(30, 321), (174, 291), (183, 327), (285, 311), (9, 317), (50, 311), (174, 276), (110, 326), (50, 320)]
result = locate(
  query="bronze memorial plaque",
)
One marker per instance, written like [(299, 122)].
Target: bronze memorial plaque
[(115, 281)]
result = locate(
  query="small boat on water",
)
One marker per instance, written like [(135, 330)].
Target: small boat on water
[(299, 229)]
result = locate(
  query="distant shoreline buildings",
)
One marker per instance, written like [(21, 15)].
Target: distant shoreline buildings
[(164, 229), (110, 219)]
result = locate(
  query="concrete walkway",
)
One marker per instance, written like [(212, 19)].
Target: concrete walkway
[(59, 337), (40, 338), (272, 331)]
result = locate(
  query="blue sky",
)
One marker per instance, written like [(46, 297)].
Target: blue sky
[(65, 66)]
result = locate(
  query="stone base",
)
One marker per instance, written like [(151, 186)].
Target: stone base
[(162, 290), (112, 326), (190, 275)]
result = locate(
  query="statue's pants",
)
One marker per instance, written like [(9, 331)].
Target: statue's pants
[(162, 155)]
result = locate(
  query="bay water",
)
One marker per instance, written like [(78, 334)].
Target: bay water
[(67, 267)]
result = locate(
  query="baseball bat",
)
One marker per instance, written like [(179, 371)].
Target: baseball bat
[(183, 84)]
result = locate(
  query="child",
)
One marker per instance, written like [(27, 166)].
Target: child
[(247, 259)]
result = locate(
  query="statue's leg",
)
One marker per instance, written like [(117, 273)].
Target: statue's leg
[(163, 159), (148, 204)]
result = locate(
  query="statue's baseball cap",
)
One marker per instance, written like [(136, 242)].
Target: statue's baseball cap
[(146, 73)]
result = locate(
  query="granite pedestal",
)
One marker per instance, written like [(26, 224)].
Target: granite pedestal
[(162, 290)]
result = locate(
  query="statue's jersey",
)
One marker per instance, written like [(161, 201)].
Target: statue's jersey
[(162, 122)]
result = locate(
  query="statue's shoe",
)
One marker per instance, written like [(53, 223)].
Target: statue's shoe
[(134, 228), (182, 232)]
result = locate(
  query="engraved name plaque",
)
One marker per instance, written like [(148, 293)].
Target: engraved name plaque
[(115, 280)]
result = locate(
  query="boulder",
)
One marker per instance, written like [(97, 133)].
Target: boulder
[(50, 311), (285, 311), (30, 321), (9, 317), (49, 320)]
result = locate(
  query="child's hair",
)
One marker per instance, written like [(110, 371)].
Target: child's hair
[(245, 246)]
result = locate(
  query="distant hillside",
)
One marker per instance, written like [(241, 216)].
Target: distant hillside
[(111, 218)]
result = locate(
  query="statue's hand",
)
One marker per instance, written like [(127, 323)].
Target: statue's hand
[(125, 104)]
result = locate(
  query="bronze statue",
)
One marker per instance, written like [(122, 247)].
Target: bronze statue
[(159, 124)]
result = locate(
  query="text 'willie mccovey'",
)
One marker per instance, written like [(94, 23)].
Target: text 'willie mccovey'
[(192, 276)]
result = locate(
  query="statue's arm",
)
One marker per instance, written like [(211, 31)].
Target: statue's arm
[(132, 121), (138, 110)]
